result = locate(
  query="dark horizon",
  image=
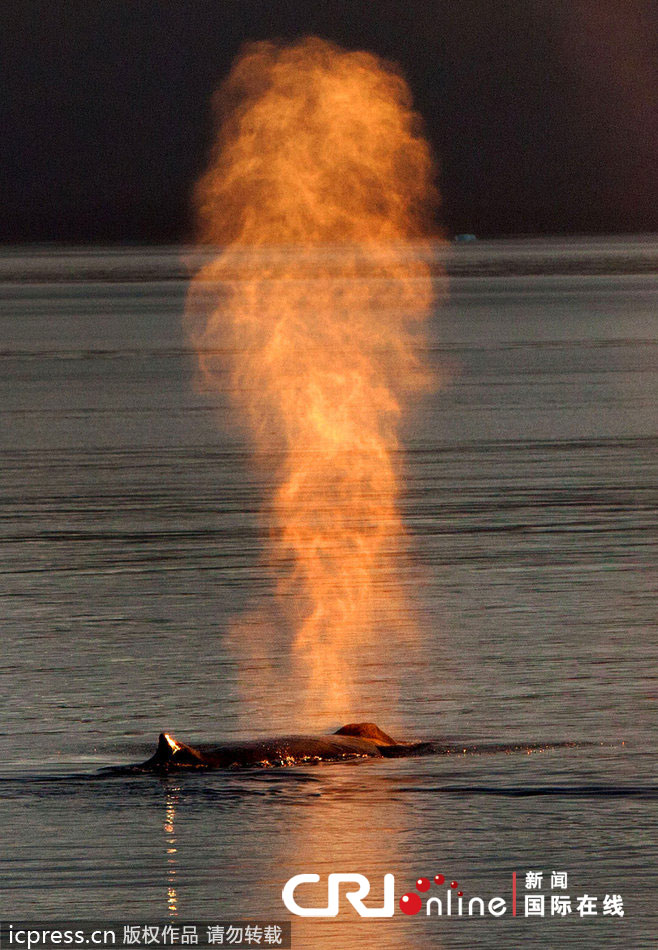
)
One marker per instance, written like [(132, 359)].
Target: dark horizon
[(542, 116)]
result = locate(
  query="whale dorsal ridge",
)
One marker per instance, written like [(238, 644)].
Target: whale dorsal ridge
[(167, 746), (366, 730), (172, 752)]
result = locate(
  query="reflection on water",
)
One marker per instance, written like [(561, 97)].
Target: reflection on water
[(130, 535), (171, 800), (340, 834)]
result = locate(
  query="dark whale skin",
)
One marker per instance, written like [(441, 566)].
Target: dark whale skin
[(356, 740)]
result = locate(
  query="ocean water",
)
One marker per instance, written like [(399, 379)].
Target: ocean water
[(130, 537)]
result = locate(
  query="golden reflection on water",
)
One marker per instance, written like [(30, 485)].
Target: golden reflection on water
[(350, 829), (171, 800), (351, 826)]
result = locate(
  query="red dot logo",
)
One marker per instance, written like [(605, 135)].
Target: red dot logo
[(410, 904)]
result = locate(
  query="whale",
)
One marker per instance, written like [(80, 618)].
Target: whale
[(356, 740), (353, 741)]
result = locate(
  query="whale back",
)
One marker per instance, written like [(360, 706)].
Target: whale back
[(356, 739), (366, 730), (285, 750)]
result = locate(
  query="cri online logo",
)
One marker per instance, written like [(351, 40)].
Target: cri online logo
[(410, 903)]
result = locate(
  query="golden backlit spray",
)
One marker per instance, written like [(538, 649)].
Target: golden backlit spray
[(317, 198)]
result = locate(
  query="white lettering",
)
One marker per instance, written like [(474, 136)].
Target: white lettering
[(333, 895), (497, 907)]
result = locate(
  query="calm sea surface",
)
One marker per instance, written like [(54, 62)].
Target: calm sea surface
[(130, 537)]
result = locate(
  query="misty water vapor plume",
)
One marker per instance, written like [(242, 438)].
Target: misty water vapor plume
[(318, 197)]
